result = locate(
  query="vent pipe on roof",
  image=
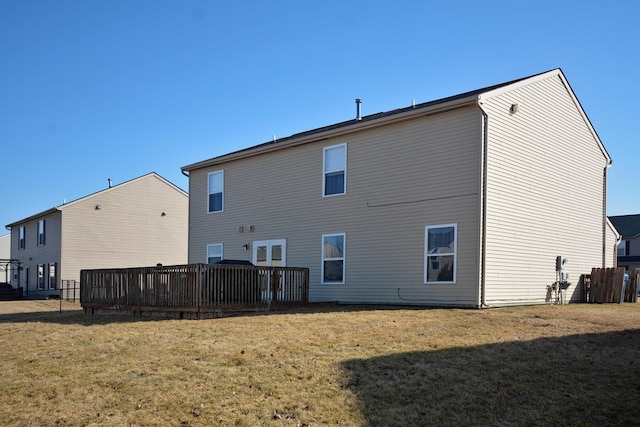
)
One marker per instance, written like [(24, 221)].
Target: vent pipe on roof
[(358, 111), (110, 182)]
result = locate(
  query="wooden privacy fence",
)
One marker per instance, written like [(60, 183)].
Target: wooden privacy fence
[(606, 285), (192, 291)]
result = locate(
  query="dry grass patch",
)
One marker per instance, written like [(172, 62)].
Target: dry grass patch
[(325, 365)]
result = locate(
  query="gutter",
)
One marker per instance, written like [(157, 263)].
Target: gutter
[(332, 131)]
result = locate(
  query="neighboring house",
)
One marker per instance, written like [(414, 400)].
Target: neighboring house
[(141, 222), (464, 201), (6, 267), (629, 247)]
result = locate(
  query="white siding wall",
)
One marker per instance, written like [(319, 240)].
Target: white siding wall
[(128, 230), (545, 193), (400, 178)]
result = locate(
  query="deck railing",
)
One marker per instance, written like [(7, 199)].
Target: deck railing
[(194, 290)]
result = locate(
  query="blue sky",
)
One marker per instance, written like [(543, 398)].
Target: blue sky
[(91, 90)]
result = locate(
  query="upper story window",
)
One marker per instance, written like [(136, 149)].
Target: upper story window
[(21, 239), (333, 258), (41, 232), (440, 256), (214, 253), (216, 191), (335, 170)]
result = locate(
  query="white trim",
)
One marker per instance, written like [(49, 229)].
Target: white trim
[(324, 171), (221, 172), (454, 253), (206, 257), (343, 258)]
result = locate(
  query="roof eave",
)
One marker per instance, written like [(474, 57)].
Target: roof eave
[(32, 217), (342, 129)]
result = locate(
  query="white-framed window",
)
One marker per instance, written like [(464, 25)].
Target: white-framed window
[(41, 225), (334, 165), (52, 275), (333, 258), (21, 238), (40, 276), (440, 253), (623, 248), (216, 191), (214, 253)]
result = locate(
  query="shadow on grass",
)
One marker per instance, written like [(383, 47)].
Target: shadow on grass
[(591, 379)]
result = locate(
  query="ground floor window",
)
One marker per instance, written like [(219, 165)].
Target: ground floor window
[(40, 276), (333, 257), (214, 253), (440, 244), (52, 275)]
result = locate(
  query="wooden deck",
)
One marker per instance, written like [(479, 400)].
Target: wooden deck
[(194, 291)]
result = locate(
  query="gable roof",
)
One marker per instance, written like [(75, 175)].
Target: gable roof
[(627, 225), (378, 119), (82, 199)]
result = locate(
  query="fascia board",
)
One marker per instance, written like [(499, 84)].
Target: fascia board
[(338, 132)]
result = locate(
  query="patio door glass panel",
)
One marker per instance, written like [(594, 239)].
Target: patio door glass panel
[(270, 253)]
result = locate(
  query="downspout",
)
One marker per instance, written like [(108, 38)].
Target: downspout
[(604, 213), (483, 206), (187, 174)]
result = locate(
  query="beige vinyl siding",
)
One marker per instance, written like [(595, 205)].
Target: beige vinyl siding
[(128, 230), (544, 193), (400, 178), (611, 245)]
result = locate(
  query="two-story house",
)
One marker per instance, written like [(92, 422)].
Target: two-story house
[(141, 222), (463, 201), (629, 246)]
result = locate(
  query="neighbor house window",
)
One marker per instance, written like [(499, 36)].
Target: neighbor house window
[(40, 276), (216, 191), (52, 275), (335, 170), (623, 248), (440, 253), (333, 265), (41, 232), (214, 253), (21, 242)]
